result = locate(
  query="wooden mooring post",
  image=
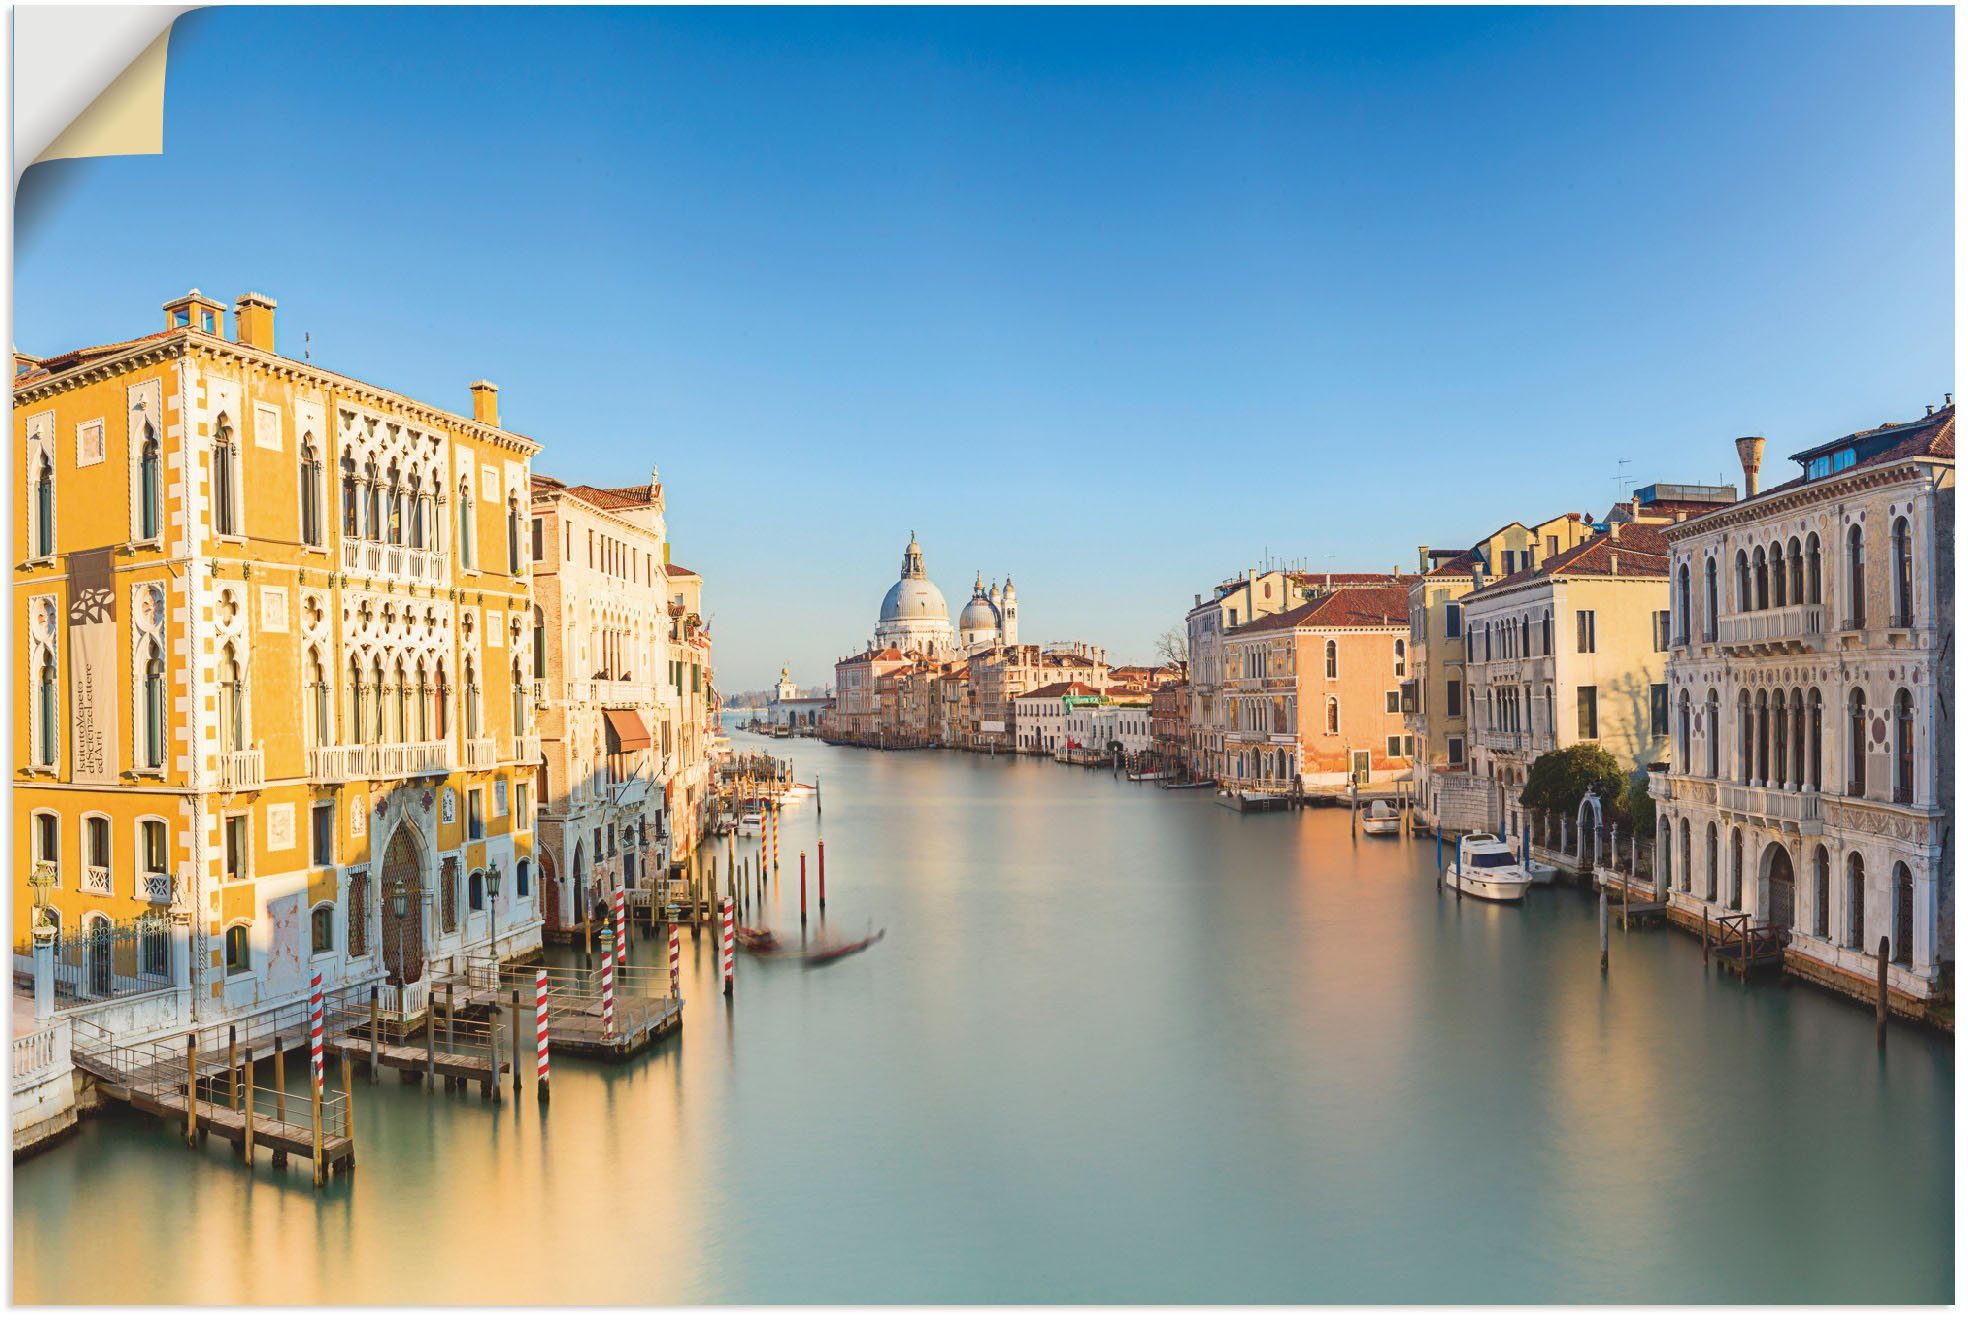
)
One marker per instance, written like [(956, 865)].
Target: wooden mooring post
[(191, 1088), (279, 1095), (1605, 932), (1880, 1025), (375, 1031), (430, 1046), (489, 1089), (246, 1146), (515, 1042), (232, 1066), (348, 1109), (314, 1086)]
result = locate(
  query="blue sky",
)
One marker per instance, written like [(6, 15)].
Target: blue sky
[(1111, 300)]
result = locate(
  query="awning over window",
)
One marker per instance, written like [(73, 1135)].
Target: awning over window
[(626, 731)]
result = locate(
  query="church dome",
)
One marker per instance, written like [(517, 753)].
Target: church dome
[(978, 616), (913, 598)]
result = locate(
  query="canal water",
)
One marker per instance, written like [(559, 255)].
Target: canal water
[(1119, 1045)]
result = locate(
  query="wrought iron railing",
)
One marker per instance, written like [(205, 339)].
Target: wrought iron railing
[(104, 961)]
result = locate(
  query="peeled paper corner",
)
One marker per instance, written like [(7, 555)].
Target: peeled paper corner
[(64, 65)]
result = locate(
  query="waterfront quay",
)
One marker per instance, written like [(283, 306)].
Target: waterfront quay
[(1252, 1034)]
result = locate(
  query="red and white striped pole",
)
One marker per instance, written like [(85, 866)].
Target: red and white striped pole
[(621, 928), (607, 982), (542, 1038), (314, 1027), (728, 938), (676, 964)]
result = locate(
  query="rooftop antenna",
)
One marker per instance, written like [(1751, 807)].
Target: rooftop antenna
[(1621, 481)]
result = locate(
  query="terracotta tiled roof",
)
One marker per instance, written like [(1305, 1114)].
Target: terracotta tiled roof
[(613, 497), (678, 570), (1344, 607), (1641, 549), (1461, 565), (74, 357), (1929, 437), (1061, 690)]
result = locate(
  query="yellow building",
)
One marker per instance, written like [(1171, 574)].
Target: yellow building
[(269, 622)]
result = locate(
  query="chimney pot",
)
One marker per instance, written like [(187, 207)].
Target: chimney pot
[(252, 320), (485, 402), (1749, 449), (1930, 410), (1613, 530)]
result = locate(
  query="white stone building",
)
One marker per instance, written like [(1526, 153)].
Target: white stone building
[(1812, 776)]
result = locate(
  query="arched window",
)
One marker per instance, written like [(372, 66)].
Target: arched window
[(372, 501), (400, 704), (1814, 754), (1332, 658), (518, 700), (417, 510), (1855, 901), (1795, 553), (358, 727), (512, 536), (1687, 852), (376, 696), (467, 553), (420, 707), (1813, 570), (1332, 714), (1761, 772), (1902, 573), (1798, 740), (47, 729), (475, 891), (1714, 860), (320, 729), (539, 642), (310, 492), (1709, 611), (1760, 571), (44, 508), (1745, 597), (1683, 604), (1902, 915), (523, 878), (1779, 580), (232, 702), (321, 928), (1745, 740), (153, 707), (471, 700), (1736, 869), (150, 488), (225, 480), (440, 706), (1685, 744), (1400, 658), (394, 504), (1855, 721), (1666, 850), (1903, 746), (1821, 894), (351, 499), (238, 950), (1714, 738), (1855, 614)]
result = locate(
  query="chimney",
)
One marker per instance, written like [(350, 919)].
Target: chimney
[(1613, 530), (485, 402), (1616, 563), (1421, 558), (252, 321), (1750, 450)]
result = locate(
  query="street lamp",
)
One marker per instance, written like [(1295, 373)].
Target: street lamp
[(492, 876), (41, 880)]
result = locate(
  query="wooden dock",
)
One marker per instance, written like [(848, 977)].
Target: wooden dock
[(639, 1023)]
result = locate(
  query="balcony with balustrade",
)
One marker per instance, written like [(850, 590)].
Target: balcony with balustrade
[(1788, 629), (158, 889), (335, 765), (526, 749), (239, 771), (415, 563), (1799, 810), (481, 753), (1503, 740)]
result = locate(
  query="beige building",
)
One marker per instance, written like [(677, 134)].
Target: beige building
[(1311, 696), (607, 711), (1572, 650), (1812, 781), (688, 793)]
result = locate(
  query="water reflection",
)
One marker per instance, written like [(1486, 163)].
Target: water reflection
[(1120, 1045)]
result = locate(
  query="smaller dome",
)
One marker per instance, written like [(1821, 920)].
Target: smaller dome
[(978, 616)]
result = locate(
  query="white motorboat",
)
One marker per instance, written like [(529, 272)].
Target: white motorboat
[(1380, 817), (1484, 867), (750, 823)]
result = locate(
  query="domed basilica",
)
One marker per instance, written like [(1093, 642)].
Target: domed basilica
[(914, 616)]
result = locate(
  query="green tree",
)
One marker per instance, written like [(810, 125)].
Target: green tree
[(1640, 805), (1559, 780)]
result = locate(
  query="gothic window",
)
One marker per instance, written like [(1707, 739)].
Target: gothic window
[(44, 507), (512, 536), (399, 705), (1714, 738), (440, 706), (153, 707), (1795, 553), (1855, 721), (1714, 856), (1855, 575), (1813, 570), (1902, 915), (420, 707), (471, 700), (320, 727), (467, 554), (1666, 843), (1903, 746), (1685, 745), (372, 502), (1821, 894), (1332, 658), (232, 701), (376, 697), (150, 489), (1779, 580), (1760, 571), (418, 513), (518, 700), (1683, 603), (310, 492), (475, 891), (1855, 901), (225, 480), (1736, 869), (1814, 754), (1687, 847), (1902, 573), (1332, 714), (394, 502), (1708, 599), (321, 929), (358, 914), (1745, 598), (357, 726), (351, 499)]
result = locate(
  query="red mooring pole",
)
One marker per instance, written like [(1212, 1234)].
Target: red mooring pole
[(802, 886), (823, 877)]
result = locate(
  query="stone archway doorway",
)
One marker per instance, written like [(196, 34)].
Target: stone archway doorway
[(403, 887), (1780, 888)]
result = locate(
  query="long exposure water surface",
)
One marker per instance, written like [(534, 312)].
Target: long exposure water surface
[(1120, 1044)]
